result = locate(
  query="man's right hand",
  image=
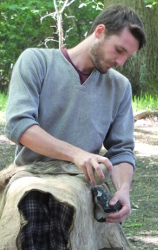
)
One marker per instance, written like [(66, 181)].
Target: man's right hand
[(89, 163)]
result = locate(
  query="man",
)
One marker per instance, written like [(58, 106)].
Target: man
[(65, 104)]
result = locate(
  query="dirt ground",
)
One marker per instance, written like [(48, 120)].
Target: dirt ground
[(141, 228)]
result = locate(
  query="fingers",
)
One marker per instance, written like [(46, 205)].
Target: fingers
[(90, 173), (102, 170), (118, 217), (107, 163), (125, 211), (94, 165), (90, 163)]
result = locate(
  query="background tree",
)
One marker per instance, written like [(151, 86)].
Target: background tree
[(21, 28), (142, 69), (58, 17)]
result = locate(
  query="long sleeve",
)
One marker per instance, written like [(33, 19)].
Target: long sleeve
[(119, 141), (23, 102)]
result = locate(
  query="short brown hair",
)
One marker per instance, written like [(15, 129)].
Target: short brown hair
[(116, 18)]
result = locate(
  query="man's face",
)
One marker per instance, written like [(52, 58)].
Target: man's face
[(111, 51)]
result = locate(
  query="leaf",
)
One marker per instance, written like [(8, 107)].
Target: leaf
[(149, 6), (35, 11), (82, 5), (13, 7)]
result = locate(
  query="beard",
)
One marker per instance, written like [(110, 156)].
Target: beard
[(96, 55)]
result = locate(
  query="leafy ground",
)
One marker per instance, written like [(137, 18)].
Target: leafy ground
[(142, 225), (141, 228)]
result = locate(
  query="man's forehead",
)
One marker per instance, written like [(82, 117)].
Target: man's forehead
[(127, 42)]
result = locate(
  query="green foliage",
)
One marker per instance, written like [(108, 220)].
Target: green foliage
[(83, 14), (20, 28), (150, 3), (145, 102), (134, 225), (3, 101)]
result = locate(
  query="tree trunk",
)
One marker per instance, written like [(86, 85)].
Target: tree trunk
[(142, 114), (142, 69)]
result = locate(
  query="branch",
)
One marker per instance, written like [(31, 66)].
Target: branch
[(144, 113), (55, 6), (24, 23), (70, 3), (64, 5), (51, 15), (48, 40)]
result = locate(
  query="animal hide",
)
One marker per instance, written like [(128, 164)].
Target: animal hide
[(67, 184)]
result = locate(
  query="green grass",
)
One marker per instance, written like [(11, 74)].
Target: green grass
[(134, 225), (145, 102), (3, 101)]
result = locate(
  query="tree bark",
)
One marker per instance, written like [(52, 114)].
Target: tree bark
[(142, 114), (142, 69)]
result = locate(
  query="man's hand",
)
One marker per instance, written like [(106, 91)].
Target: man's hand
[(123, 198), (121, 177), (88, 162)]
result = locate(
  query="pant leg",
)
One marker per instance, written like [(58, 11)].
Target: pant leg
[(49, 222)]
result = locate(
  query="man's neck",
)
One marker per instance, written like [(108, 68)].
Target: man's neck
[(80, 56)]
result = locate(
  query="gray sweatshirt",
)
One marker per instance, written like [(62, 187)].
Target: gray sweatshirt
[(45, 90)]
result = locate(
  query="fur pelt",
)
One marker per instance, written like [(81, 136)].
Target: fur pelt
[(67, 184)]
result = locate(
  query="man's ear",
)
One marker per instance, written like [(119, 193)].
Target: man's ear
[(100, 30)]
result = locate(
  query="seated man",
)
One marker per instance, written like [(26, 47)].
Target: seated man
[(65, 104)]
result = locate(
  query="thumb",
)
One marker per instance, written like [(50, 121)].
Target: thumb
[(113, 201)]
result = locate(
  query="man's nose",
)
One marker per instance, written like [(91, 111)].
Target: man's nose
[(121, 60)]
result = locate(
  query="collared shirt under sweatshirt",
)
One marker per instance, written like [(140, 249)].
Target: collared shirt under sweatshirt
[(45, 90)]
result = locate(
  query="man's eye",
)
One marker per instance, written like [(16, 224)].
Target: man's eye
[(120, 51)]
